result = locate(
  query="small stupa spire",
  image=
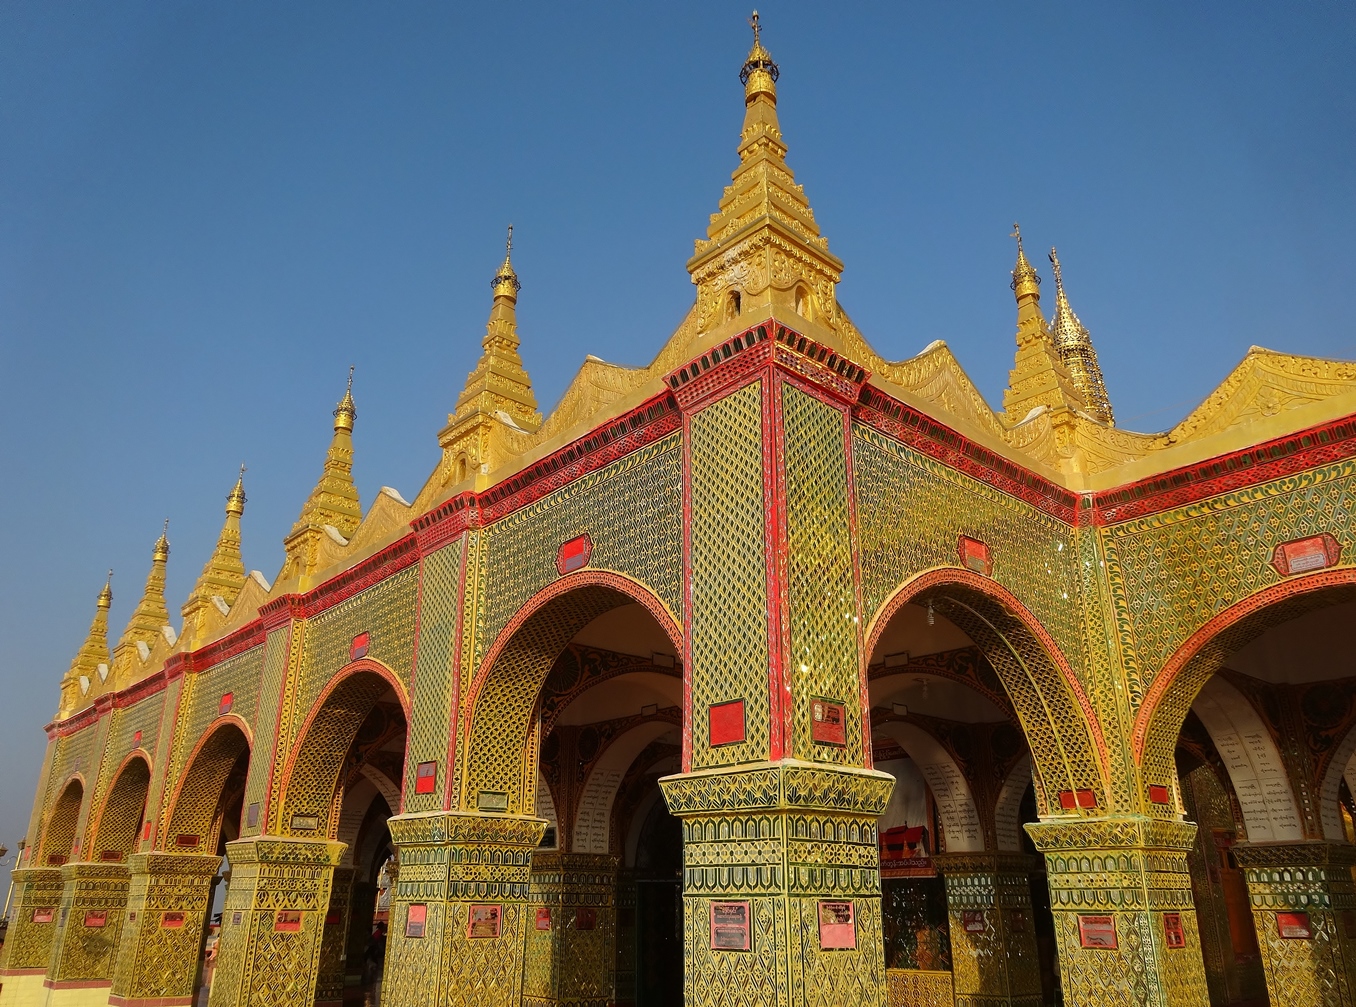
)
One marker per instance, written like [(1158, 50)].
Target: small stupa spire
[(149, 619), (222, 577), (1074, 344), (90, 667), (1038, 376)]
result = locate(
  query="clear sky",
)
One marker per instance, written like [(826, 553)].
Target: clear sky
[(208, 211)]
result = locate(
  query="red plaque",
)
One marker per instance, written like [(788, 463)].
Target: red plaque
[(484, 921), (136, 738), (96, 917), (171, 921), (543, 921), (1097, 932), (574, 554), (973, 921), (1158, 793), (425, 778), (146, 831), (1017, 923), (359, 647), (975, 555), (828, 723), (727, 722), (585, 919), (730, 926), (186, 840), (416, 919), (111, 856), (333, 918), (1086, 798), (837, 927), (1067, 800), (1173, 934), (1294, 926), (43, 914), (287, 921), (227, 701), (1304, 555)]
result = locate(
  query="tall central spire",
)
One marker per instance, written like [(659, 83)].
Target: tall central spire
[(1074, 345), (1038, 376), (763, 249)]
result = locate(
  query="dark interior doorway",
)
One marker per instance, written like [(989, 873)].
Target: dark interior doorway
[(659, 910)]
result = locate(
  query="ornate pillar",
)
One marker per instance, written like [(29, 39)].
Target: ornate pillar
[(329, 986), (993, 939), (1125, 923), (93, 906), (460, 908), (273, 920), (32, 934), (571, 936), (1304, 909), (781, 884), (168, 896)]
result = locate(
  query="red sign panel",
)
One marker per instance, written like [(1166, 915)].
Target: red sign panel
[(425, 777), (1173, 934), (96, 917), (1017, 921), (227, 701), (111, 856), (543, 921), (1294, 926), (484, 921), (136, 738), (973, 921), (1097, 932), (727, 722), (416, 919), (730, 926), (287, 921), (975, 555), (171, 921), (1158, 793), (828, 723), (837, 927), (333, 918), (359, 647), (574, 554), (1086, 798), (585, 919), (187, 840), (1304, 555), (44, 914)]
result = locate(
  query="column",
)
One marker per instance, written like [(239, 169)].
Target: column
[(273, 920), (993, 940), (459, 912), (34, 912), (1125, 924), (93, 907), (1304, 909), (781, 884), (329, 986), (168, 896), (571, 932)]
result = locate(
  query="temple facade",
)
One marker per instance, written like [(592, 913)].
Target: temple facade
[(772, 674)]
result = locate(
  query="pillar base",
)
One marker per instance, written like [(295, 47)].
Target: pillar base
[(993, 936), (93, 906), (571, 935), (1304, 908), (36, 908)]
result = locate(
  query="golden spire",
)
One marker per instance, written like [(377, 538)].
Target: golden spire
[(84, 671), (498, 396), (222, 578), (148, 621), (1074, 345), (334, 502), (1038, 376), (763, 250)]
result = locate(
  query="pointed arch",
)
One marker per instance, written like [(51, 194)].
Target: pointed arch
[(961, 825), (58, 835), (593, 820), (118, 820), (194, 819)]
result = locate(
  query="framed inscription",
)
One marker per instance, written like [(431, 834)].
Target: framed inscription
[(96, 917), (837, 927), (1173, 934), (484, 921), (543, 921), (730, 926), (1294, 926), (415, 919), (828, 722), (171, 921), (973, 921), (287, 921), (1097, 932)]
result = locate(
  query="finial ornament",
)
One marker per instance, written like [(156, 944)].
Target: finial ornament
[(757, 28), (106, 595), (1017, 233), (162, 543), (508, 242), (1025, 279), (235, 500), (1054, 264), (759, 73), (347, 410), (505, 282)]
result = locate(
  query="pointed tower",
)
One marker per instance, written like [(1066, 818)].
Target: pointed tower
[(222, 577), (763, 248), (149, 621), (90, 667), (332, 504), (1074, 345), (1038, 377), (498, 396)]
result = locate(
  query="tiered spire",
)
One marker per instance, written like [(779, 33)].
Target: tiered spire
[(222, 577), (334, 502), (1038, 376), (763, 248), (149, 619), (90, 666), (498, 394), (1074, 346)]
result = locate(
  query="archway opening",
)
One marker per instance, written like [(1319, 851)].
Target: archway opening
[(58, 838), (120, 821)]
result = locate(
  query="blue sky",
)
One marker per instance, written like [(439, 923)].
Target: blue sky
[(207, 212)]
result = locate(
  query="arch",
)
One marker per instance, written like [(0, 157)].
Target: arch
[(804, 302), (119, 818), (1175, 687), (499, 752), (312, 775), (1007, 811), (1342, 765), (58, 837), (1254, 764), (950, 789), (733, 304), (195, 807), (545, 807), (593, 819), (1069, 749)]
